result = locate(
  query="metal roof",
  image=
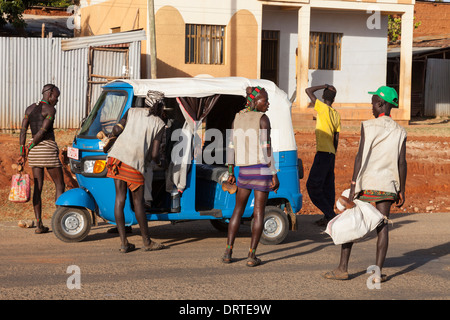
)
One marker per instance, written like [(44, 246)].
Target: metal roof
[(102, 40), (395, 52)]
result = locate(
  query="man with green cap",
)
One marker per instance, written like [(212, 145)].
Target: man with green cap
[(379, 174)]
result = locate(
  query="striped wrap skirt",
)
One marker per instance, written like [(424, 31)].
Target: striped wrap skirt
[(45, 155), (376, 196), (119, 170), (256, 177)]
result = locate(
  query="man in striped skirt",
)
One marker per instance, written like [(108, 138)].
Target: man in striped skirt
[(42, 151)]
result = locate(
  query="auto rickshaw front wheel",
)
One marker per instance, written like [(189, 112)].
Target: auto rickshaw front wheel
[(276, 226), (71, 224)]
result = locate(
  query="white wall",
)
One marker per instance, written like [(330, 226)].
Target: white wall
[(210, 11), (364, 51), (364, 55), (286, 22)]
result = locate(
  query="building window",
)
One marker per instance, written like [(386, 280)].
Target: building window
[(325, 51), (204, 44)]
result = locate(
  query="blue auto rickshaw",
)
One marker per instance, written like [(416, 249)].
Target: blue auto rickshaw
[(195, 107)]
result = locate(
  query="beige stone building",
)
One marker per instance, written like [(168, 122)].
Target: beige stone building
[(339, 42)]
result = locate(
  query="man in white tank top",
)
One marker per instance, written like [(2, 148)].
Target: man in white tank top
[(379, 174)]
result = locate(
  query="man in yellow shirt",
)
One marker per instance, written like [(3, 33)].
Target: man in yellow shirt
[(320, 184)]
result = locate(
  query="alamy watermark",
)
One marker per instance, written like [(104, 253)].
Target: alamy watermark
[(74, 21), (374, 281), (74, 280), (214, 146), (374, 20)]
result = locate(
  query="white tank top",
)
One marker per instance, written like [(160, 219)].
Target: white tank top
[(382, 145), (247, 139), (133, 144)]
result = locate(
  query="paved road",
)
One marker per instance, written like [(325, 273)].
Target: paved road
[(36, 266)]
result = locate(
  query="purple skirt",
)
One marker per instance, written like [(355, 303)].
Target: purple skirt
[(256, 177)]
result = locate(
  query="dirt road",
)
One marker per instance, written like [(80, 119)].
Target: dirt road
[(36, 266)]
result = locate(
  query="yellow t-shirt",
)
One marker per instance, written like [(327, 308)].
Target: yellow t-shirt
[(327, 124)]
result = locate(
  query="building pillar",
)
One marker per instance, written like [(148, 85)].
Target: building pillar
[(406, 64), (304, 19)]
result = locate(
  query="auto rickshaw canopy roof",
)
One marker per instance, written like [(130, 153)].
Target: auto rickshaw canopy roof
[(279, 111)]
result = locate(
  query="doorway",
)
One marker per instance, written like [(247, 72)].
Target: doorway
[(270, 48)]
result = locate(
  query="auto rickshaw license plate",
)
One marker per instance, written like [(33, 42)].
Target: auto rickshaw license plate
[(72, 153)]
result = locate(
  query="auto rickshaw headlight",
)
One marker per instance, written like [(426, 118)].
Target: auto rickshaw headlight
[(94, 166)]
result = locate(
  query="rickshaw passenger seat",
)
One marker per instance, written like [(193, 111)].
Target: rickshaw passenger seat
[(211, 172)]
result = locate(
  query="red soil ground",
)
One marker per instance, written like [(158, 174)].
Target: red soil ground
[(427, 187), (428, 178)]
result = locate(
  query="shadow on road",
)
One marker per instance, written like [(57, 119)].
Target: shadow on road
[(417, 258)]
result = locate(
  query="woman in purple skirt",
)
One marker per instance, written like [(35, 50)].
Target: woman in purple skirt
[(250, 149)]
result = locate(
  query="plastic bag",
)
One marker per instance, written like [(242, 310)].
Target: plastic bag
[(355, 223), (20, 188)]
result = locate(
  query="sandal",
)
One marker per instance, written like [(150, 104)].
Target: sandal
[(41, 230), (383, 278), (331, 275), (253, 262), (127, 248), (226, 258), (154, 246)]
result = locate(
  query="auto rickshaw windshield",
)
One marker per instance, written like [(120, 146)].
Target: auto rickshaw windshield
[(105, 113)]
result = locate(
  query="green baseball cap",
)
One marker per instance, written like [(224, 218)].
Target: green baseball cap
[(388, 94)]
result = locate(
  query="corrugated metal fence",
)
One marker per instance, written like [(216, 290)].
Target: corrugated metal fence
[(27, 64), (437, 88)]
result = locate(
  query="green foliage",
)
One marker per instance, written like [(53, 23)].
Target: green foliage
[(11, 12), (54, 3), (395, 27)]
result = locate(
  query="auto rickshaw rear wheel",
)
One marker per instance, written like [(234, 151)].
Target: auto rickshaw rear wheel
[(276, 226), (71, 224)]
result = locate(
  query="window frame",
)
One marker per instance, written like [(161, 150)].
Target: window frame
[(205, 44), (325, 50)]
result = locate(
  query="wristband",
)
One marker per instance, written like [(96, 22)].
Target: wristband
[(22, 150), (31, 145), (265, 144)]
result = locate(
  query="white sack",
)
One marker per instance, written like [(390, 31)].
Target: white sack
[(355, 223)]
